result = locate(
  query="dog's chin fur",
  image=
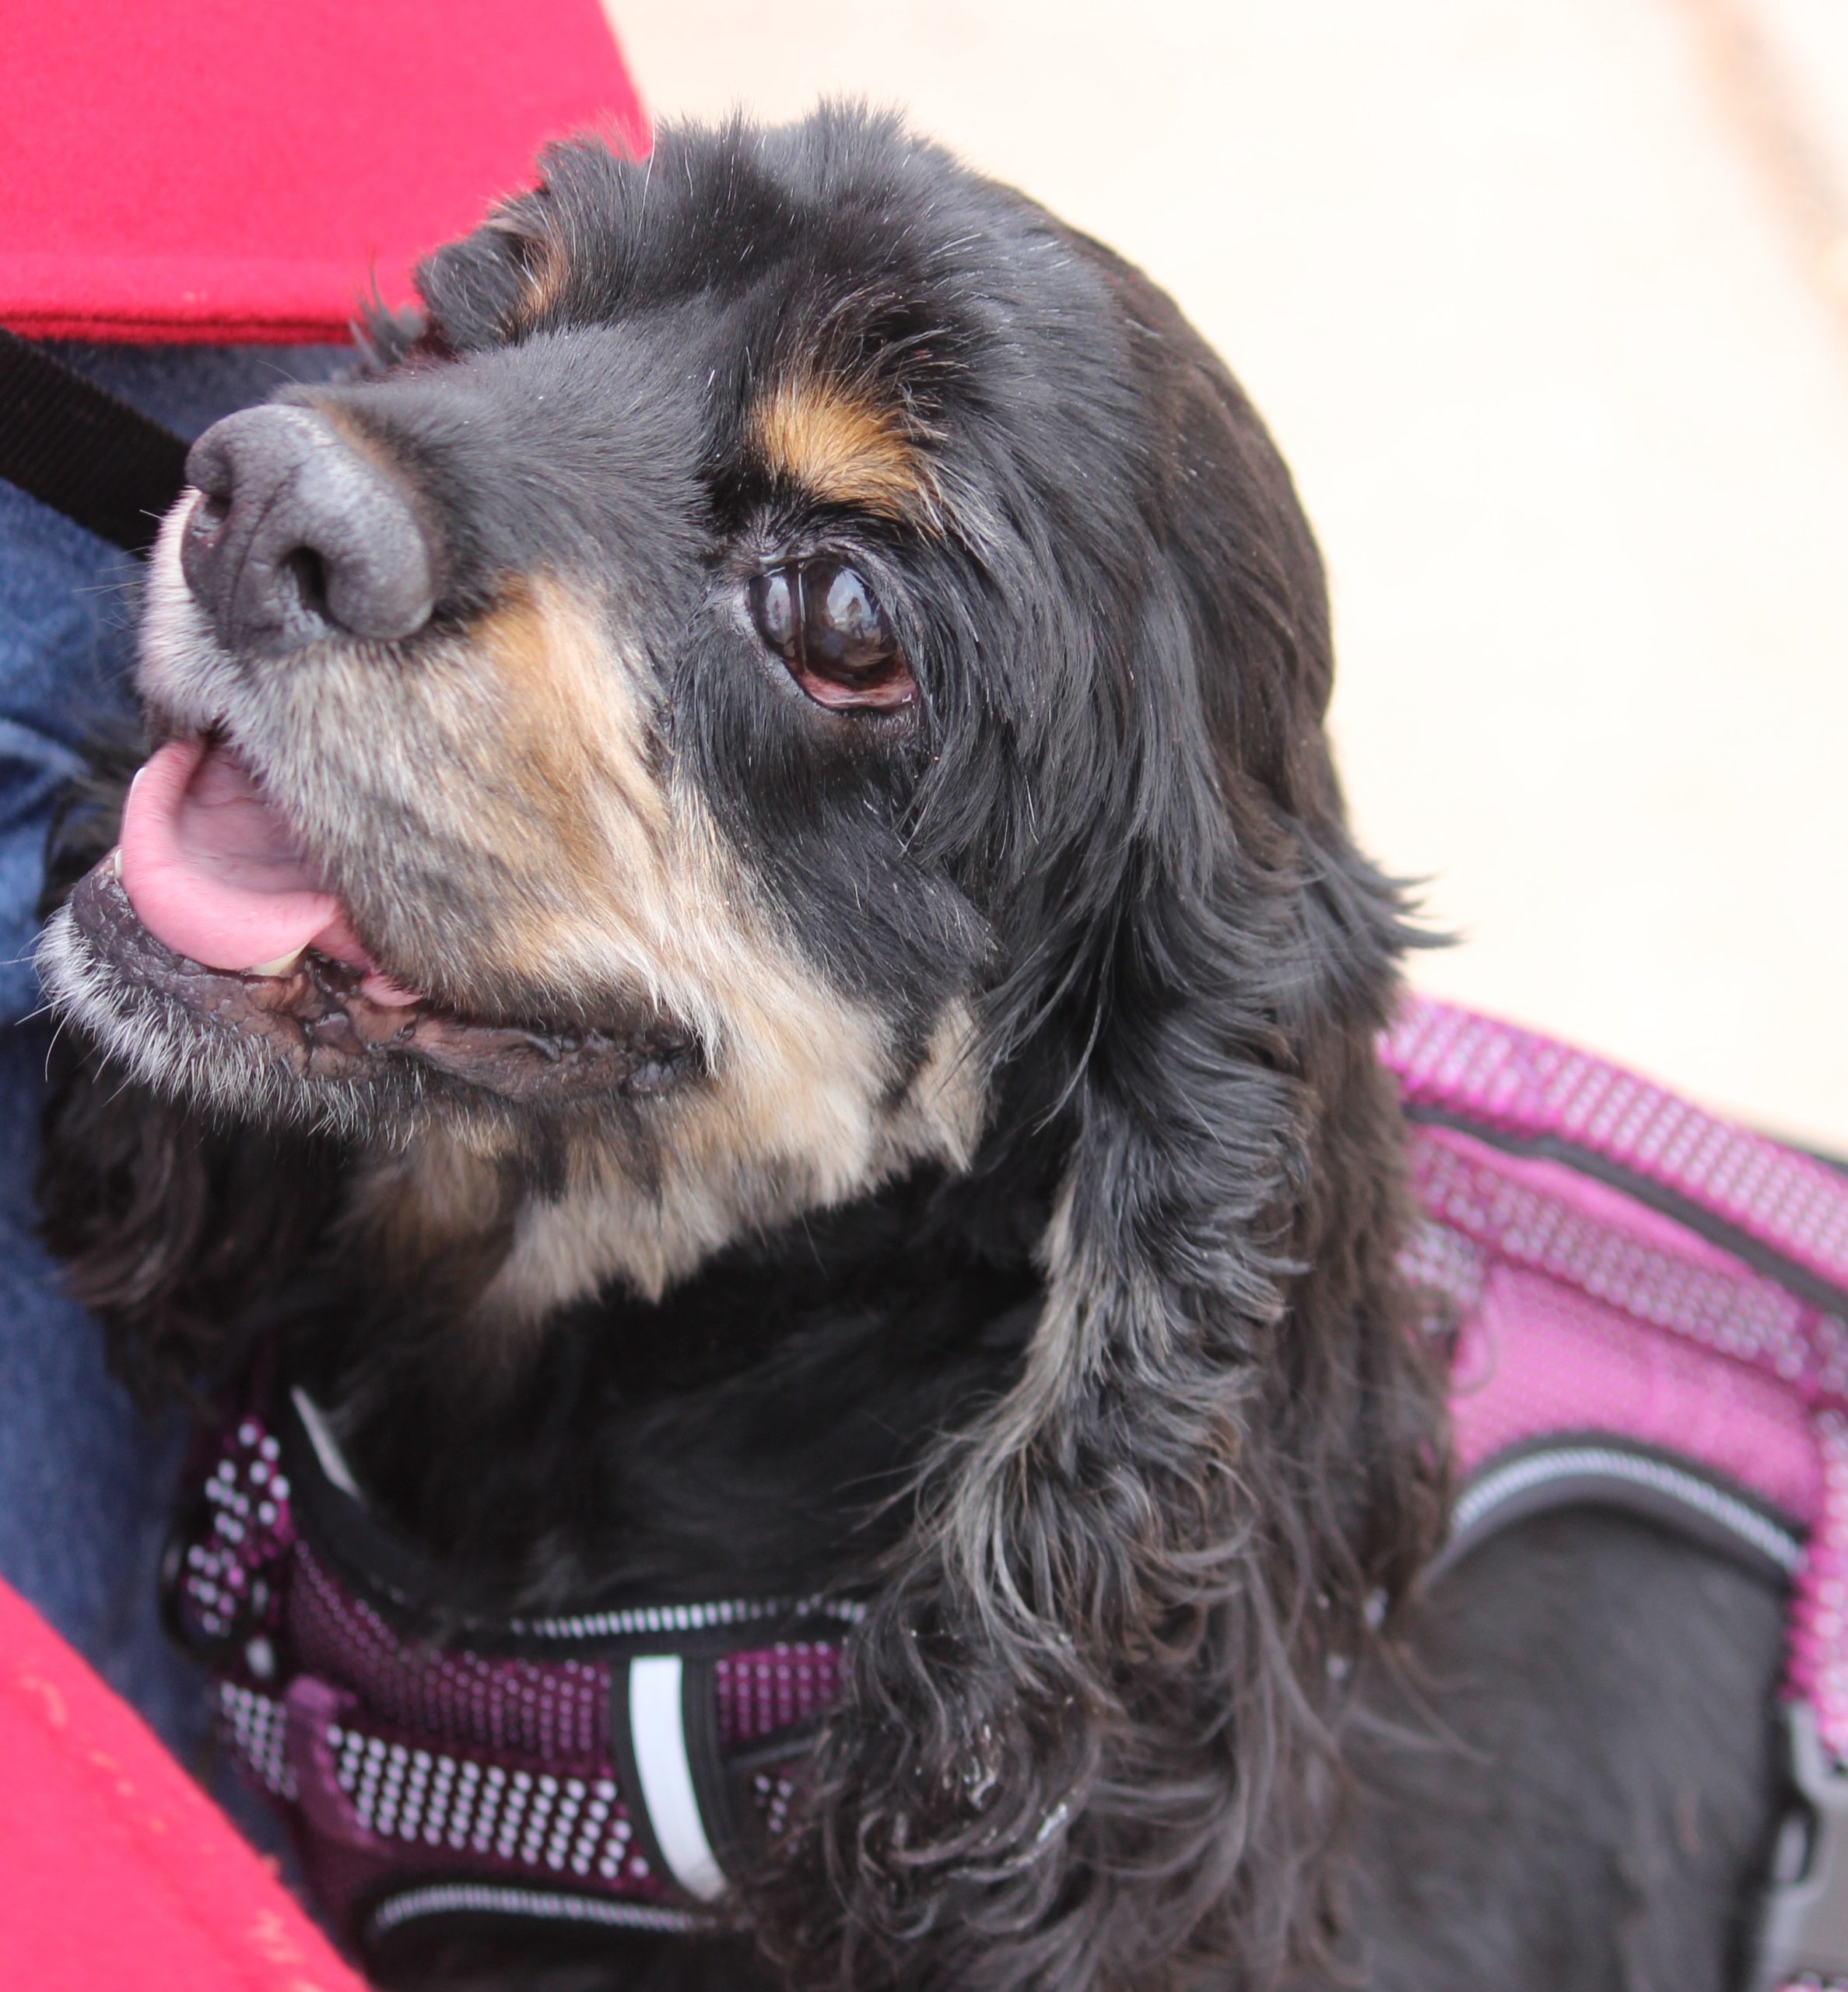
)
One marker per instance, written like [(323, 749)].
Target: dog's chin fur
[(1021, 1247), (639, 1191), (636, 1192)]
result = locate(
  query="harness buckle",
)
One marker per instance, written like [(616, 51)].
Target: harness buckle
[(1802, 1915)]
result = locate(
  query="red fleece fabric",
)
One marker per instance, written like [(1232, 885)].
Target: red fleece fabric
[(209, 170), (115, 1870)]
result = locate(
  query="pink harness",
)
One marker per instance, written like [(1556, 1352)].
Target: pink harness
[(1654, 1315), (1654, 1309)]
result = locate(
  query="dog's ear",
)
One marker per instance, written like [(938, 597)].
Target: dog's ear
[(505, 278), (177, 1233), (1087, 1730)]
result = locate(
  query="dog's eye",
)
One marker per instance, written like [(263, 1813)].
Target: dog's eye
[(826, 625)]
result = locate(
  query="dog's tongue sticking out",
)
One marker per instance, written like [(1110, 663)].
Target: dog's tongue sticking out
[(214, 872)]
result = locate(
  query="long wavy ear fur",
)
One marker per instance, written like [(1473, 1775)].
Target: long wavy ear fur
[(1087, 1739), (180, 1235)]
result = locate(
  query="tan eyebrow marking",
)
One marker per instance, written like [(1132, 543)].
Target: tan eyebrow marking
[(840, 447), (541, 250)]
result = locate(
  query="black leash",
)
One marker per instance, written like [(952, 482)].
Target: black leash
[(82, 450)]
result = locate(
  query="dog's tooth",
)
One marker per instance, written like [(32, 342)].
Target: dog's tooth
[(115, 865), (282, 965)]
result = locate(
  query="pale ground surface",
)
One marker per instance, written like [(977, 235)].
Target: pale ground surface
[(1549, 307)]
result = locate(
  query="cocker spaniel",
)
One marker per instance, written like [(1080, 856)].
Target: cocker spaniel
[(738, 957)]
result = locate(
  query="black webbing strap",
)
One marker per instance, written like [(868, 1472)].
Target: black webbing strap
[(76, 447)]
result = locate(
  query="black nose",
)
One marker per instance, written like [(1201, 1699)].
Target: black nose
[(297, 538)]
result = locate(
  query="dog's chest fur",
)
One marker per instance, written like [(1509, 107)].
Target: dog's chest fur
[(752, 1433)]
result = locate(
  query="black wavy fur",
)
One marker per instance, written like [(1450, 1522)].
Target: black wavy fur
[(1127, 1430)]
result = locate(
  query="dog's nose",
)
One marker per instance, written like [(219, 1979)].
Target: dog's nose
[(297, 538)]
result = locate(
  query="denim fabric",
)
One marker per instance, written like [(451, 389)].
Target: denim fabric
[(84, 1483)]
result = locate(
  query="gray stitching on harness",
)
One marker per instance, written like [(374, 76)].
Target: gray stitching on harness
[(687, 1618), (463, 1898), (1505, 1483)]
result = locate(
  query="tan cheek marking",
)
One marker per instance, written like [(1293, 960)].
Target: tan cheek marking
[(806, 1128), (796, 1114), (841, 448), (568, 728), (438, 1213), (596, 873), (524, 754)]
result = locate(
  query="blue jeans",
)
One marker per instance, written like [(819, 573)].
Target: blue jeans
[(85, 1483)]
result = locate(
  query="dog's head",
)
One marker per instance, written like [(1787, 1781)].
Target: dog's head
[(801, 667), (678, 722)]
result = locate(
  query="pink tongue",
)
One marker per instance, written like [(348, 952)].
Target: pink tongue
[(213, 871)]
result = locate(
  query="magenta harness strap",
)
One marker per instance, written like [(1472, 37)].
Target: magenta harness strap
[(1652, 1313), (605, 1767)]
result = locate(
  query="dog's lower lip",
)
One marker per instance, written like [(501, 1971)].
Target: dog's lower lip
[(318, 1019)]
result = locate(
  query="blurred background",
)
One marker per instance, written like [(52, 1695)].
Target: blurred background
[(1547, 305)]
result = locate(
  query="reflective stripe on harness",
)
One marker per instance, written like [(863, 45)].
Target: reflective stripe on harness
[(477, 1899), (1594, 1470), (663, 1778)]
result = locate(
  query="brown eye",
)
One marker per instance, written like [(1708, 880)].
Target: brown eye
[(826, 625)]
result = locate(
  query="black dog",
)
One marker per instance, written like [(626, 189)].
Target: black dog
[(744, 945)]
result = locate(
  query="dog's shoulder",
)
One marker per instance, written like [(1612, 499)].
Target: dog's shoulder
[(1571, 1787)]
